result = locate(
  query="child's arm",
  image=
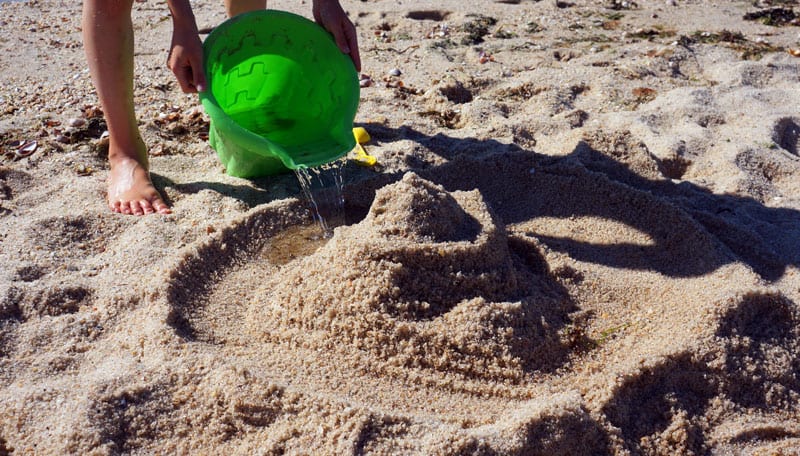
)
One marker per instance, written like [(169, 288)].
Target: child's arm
[(329, 14), (186, 51)]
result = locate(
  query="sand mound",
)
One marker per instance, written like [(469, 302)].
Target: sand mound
[(418, 211), (398, 314), (425, 280)]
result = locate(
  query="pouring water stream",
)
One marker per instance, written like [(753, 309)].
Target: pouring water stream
[(323, 187)]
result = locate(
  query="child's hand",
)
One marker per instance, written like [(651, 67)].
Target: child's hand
[(186, 59), (331, 16)]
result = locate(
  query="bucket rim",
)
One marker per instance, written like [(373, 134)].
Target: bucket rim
[(256, 143)]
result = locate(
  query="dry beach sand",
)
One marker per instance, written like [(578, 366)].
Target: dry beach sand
[(583, 237)]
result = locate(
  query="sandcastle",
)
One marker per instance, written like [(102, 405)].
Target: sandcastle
[(429, 282)]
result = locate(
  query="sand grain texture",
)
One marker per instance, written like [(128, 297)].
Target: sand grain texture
[(583, 238)]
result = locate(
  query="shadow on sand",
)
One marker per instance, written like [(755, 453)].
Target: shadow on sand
[(694, 231), (682, 218)]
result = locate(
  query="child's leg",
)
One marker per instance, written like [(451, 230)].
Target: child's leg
[(234, 7), (108, 40)]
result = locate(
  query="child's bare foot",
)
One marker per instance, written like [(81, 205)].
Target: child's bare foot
[(130, 190)]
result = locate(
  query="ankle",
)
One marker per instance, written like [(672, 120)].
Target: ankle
[(125, 154)]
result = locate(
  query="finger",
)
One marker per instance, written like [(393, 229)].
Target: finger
[(352, 40), (346, 40), (341, 39), (183, 73), (199, 76)]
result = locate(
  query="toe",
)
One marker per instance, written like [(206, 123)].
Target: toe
[(136, 208), (161, 207), (146, 206)]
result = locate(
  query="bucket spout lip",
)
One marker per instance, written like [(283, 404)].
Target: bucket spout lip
[(314, 69), (308, 155), (317, 153)]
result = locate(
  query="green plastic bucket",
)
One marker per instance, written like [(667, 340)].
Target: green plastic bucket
[(280, 94)]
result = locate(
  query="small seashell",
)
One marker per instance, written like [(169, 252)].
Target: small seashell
[(76, 122), (83, 170), (395, 72), (92, 111), (365, 82), (26, 149), (23, 149)]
